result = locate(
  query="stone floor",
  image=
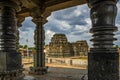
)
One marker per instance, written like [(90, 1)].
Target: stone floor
[(58, 73)]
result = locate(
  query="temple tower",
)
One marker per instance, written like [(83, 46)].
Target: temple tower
[(80, 48), (59, 46)]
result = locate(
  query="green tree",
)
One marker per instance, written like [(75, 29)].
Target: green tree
[(25, 46), (116, 46), (21, 46), (31, 48)]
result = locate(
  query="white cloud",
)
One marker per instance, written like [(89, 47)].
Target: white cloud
[(63, 25), (62, 20), (74, 22), (27, 32), (27, 35), (80, 28), (88, 21), (48, 35)]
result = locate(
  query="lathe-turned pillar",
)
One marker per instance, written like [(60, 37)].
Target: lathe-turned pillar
[(10, 59), (103, 62), (17, 40), (39, 56)]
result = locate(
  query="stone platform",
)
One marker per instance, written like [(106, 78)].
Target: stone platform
[(58, 73)]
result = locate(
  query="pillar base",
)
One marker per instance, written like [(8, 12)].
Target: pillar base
[(12, 75), (38, 70), (10, 66), (103, 64)]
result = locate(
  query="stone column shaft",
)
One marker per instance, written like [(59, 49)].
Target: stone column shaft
[(39, 56), (103, 62), (10, 59), (17, 43), (39, 43), (8, 29)]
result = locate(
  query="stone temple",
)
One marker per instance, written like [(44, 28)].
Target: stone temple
[(103, 58), (80, 48), (60, 47)]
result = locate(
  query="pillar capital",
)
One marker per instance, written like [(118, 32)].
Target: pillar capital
[(92, 3), (19, 21), (37, 12), (39, 19), (39, 15), (10, 4)]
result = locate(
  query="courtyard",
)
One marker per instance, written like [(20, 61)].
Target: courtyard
[(56, 72)]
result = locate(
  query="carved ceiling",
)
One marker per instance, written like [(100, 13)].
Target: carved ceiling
[(33, 7)]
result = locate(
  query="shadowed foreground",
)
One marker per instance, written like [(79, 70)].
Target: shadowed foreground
[(58, 73)]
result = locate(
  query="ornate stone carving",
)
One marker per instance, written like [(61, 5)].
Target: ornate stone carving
[(80, 48), (10, 59), (103, 58), (39, 56), (60, 47)]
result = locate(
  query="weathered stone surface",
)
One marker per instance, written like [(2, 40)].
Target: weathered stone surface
[(29, 78), (80, 48), (39, 56), (103, 62), (58, 73), (60, 47), (10, 59)]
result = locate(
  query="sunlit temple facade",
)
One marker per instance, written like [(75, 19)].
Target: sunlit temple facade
[(60, 47), (80, 48)]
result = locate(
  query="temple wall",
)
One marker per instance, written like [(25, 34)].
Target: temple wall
[(68, 61), (60, 47)]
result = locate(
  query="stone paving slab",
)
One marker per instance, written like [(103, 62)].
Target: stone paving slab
[(58, 73)]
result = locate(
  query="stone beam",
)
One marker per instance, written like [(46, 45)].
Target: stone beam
[(28, 6), (53, 5), (49, 5)]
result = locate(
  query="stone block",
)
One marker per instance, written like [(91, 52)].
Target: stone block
[(10, 61), (104, 66)]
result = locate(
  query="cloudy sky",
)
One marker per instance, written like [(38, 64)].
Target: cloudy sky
[(74, 22)]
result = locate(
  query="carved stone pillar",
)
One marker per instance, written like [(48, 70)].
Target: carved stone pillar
[(39, 57), (10, 59), (17, 40), (103, 62)]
